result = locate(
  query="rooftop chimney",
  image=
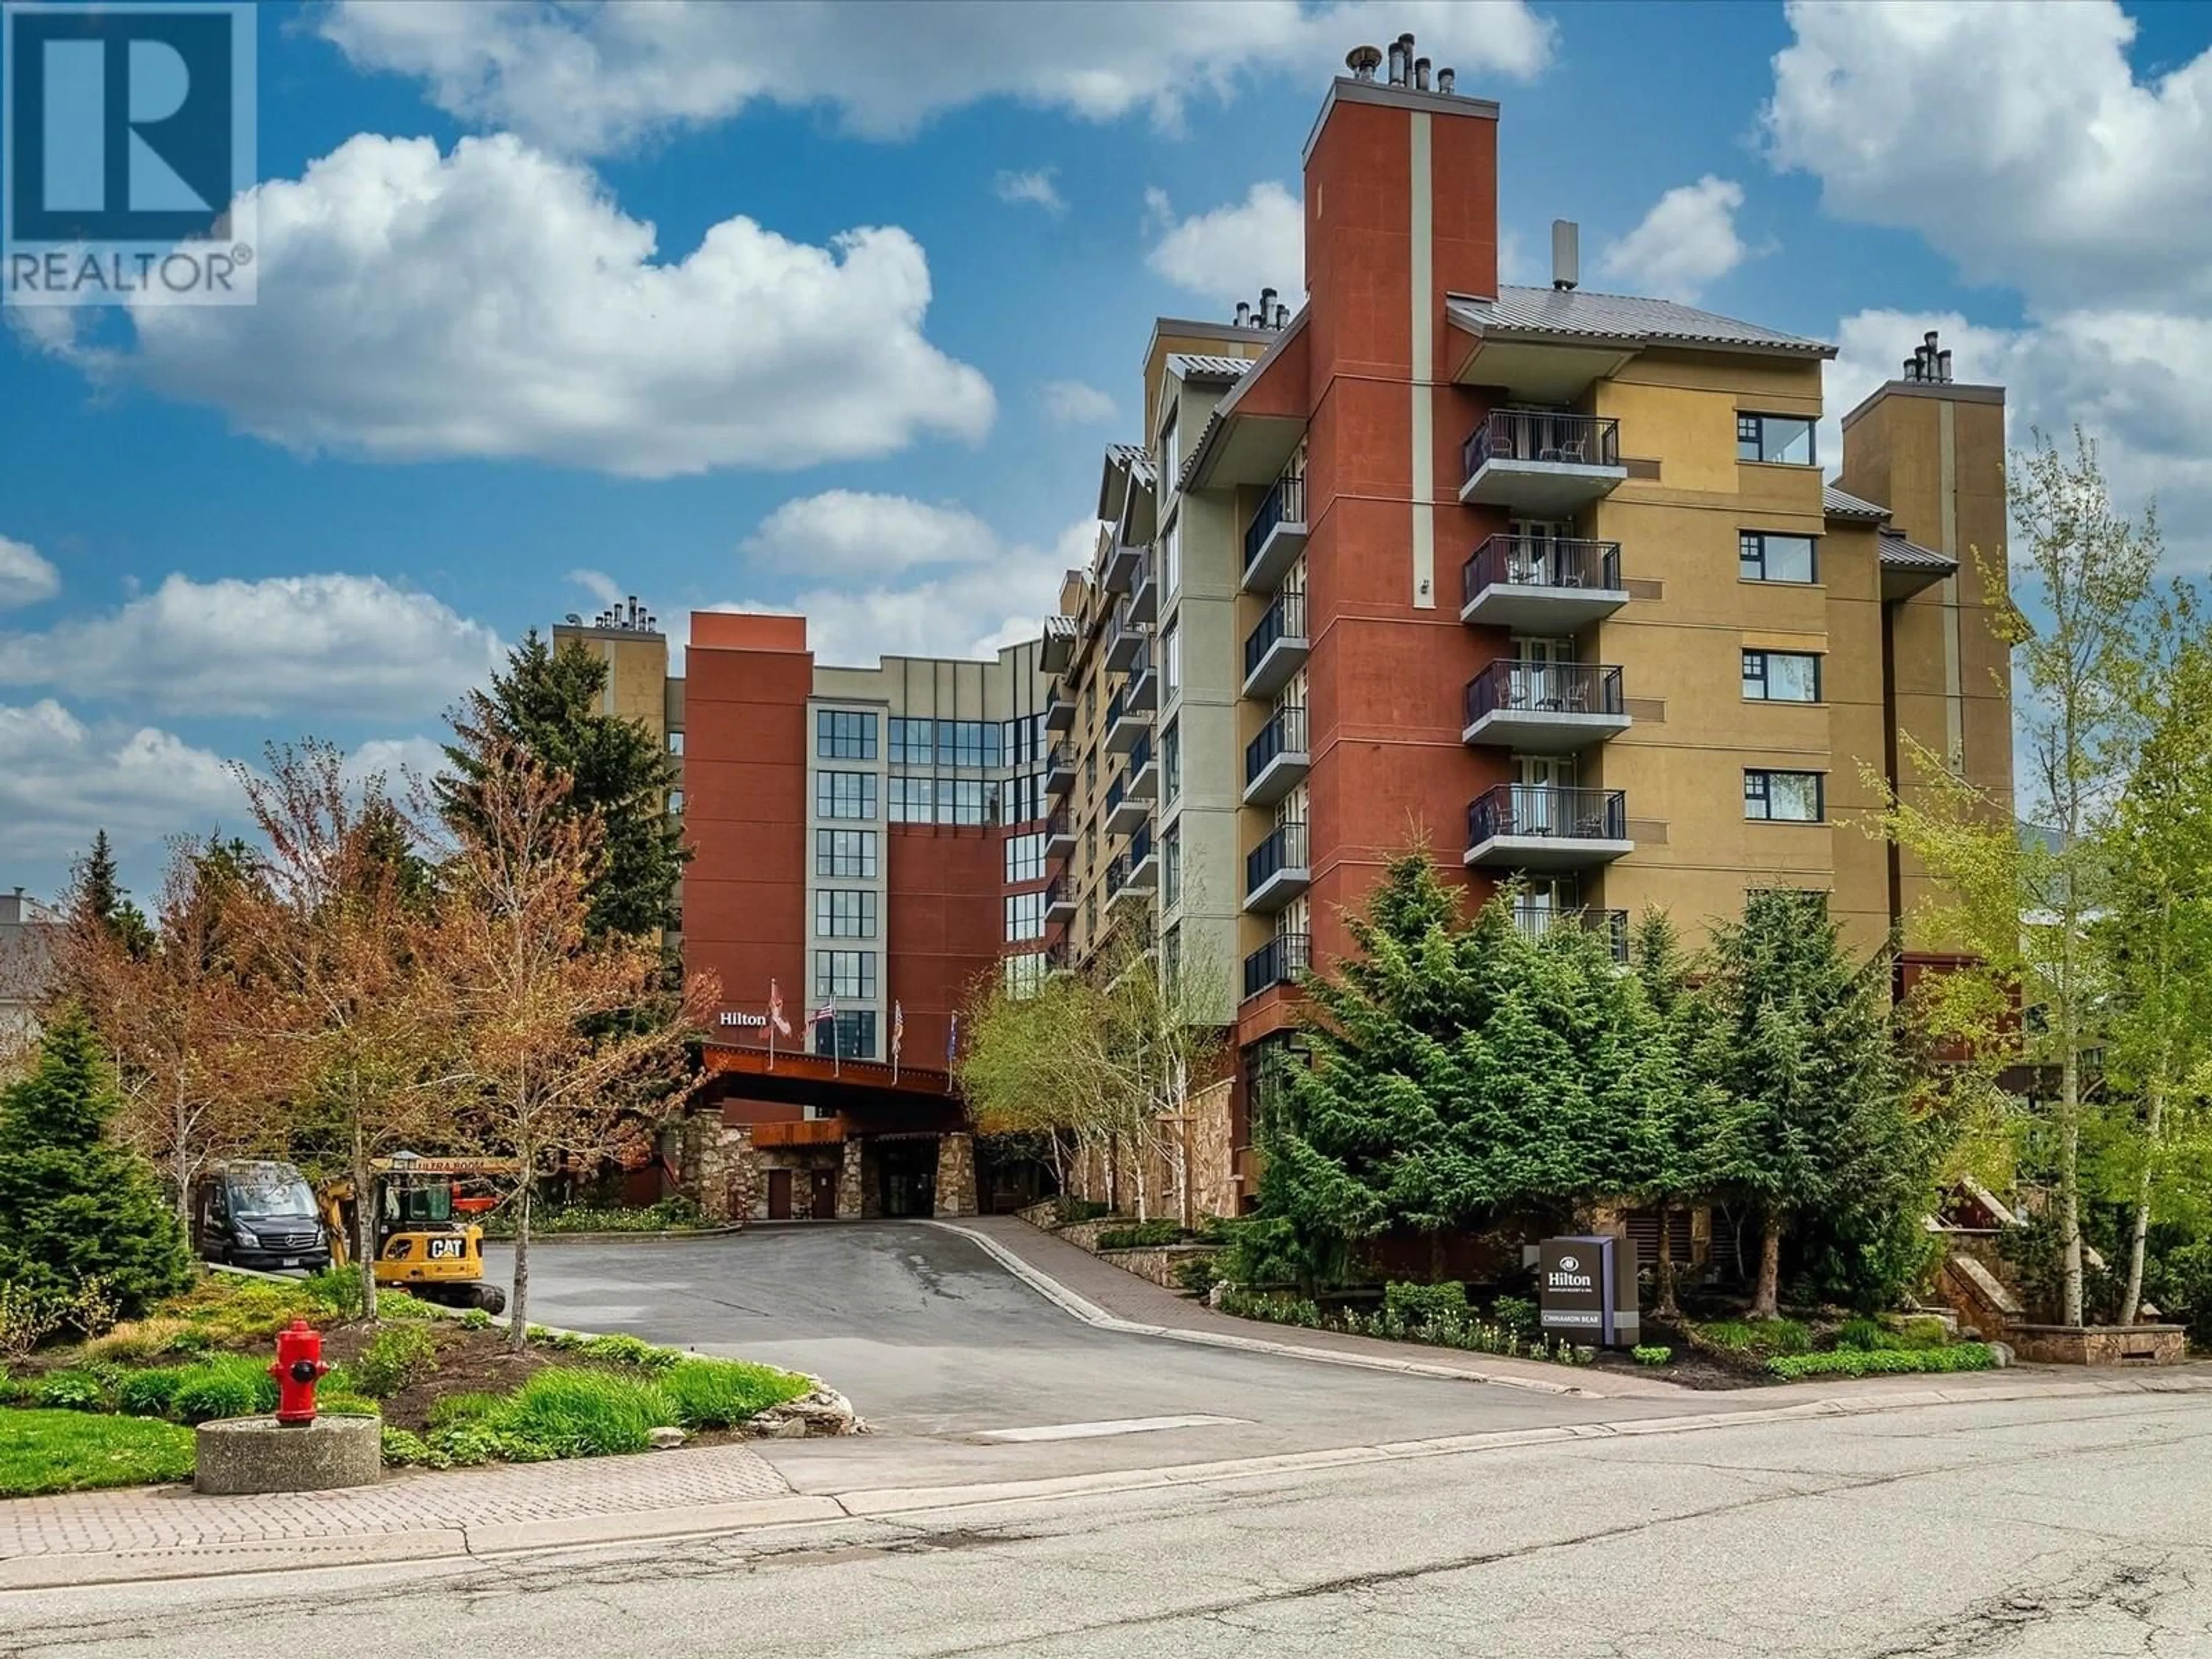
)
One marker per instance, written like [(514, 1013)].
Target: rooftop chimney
[(1447, 79), (1421, 75), (1566, 255), (1401, 60), (1362, 61), (1266, 305), (1244, 313)]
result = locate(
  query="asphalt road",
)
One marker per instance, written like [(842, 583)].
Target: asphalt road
[(932, 1340), (2038, 1529)]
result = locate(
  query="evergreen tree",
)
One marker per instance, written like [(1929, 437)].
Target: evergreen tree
[(547, 705), (75, 1205), (1813, 1124), (97, 895), (1463, 1074), (1679, 1122)]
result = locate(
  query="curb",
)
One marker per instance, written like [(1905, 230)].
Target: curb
[(1091, 1314), (672, 1236)]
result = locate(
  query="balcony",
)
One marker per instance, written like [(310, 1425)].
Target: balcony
[(1060, 900), (1060, 708), (1125, 641), (1536, 921), (1125, 812), (1544, 707), (1130, 878), (1058, 835), (1275, 871), (1141, 690), (1121, 563), (1527, 826), (1143, 774), (1541, 462), (1278, 962), (1058, 647), (1276, 762), (1535, 583), (1126, 727), (1059, 769), (1277, 534), (1276, 650), (1144, 591)]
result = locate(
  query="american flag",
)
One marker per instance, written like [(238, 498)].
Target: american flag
[(898, 1034)]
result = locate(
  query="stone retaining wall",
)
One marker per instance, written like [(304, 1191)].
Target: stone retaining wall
[(1159, 1264), (2101, 1345)]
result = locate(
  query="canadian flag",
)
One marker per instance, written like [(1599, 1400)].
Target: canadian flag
[(775, 1009)]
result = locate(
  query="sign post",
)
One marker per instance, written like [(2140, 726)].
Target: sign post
[(1584, 1294)]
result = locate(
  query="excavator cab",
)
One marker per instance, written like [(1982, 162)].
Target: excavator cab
[(422, 1246)]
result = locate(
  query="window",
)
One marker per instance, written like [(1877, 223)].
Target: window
[(1171, 866), (1025, 798), (845, 912), (1786, 438), (913, 743), (1781, 676), (844, 794), (1171, 956), (844, 734), (676, 803), (847, 852), (1025, 915), (1170, 452), (963, 800), (1171, 559), (1025, 859), (1022, 740), (967, 742), (1171, 658), (851, 1035), (1024, 972), (675, 743), (849, 973), (1171, 762), (1783, 797), (910, 799), (1761, 558)]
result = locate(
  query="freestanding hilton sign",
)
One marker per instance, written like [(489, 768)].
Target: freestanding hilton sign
[(1583, 1295)]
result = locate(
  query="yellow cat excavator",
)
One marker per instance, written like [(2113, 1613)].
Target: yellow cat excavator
[(422, 1246)]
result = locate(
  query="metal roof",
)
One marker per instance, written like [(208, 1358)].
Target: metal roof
[(1192, 366), (1840, 505), (1898, 554), (1578, 313), (1132, 459)]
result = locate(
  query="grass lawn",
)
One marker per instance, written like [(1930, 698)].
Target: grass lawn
[(43, 1451)]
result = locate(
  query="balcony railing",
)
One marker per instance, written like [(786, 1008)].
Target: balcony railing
[(1286, 849), (1140, 756), (1114, 709), (1532, 809), (1536, 921), (1541, 434), (1285, 619), (1278, 962), (1057, 825), (1548, 688), (1113, 796), (1141, 846), (1538, 562), (1285, 734), (1284, 504)]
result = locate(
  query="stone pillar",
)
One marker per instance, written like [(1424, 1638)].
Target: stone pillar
[(705, 1166), (747, 1191), (956, 1175), (849, 1199)]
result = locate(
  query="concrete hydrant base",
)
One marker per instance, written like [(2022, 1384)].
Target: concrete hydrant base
[(257, 1454)]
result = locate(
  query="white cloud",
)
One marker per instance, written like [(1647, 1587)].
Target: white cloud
[(2016, 139), (846, 532), (1687, 241), (591, 78), (494, 302), (397, 761), (1071, 403), (990, 594), (599, 585), (2057, 173), (1035, 187), (61, 780), (25, 578), (345, 645), (1233, 252)]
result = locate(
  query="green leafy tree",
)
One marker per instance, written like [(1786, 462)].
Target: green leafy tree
[(76, 1206), (1679, 1156), (1463, 1074), (548, 705), (97, 896), (1796, 1040)]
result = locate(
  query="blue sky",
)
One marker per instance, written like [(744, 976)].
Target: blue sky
[(900, 266)]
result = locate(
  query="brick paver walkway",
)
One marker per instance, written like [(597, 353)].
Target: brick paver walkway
[(175, 1518)]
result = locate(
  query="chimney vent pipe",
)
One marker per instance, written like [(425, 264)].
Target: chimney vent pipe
[(1943, 366), (1361, 61), (1447, 81), (1243, 312), (1421, 75), (1397, 74), (1566, 255)]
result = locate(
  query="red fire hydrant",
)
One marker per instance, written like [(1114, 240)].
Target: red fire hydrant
[(300, 1362)]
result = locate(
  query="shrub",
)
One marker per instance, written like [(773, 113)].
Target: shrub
[(1198, 1273), (630, 1350), (1924, 1333), (1518, 1314), (463, 1408), (75, 1203), (72, 1391), (476, 1319), (719, 1394), (576, 1413), (1882, 1361), (401, 1448), (1066, 1212), (226, 1385), (1145, 1235), (29, 1314), (142, 1339), (395, 1356), (1418, 1306), (1756, 1336), (1652, 1353), (405, 1305), (1280, 1309), (149, 1392), (1866, 1335), (337, 1290)]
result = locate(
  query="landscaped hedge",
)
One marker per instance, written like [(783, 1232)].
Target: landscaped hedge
[(1882, 1361)]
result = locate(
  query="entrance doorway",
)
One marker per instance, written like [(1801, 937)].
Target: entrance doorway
[(906, 1172), (779, 1195), (825, 1194)]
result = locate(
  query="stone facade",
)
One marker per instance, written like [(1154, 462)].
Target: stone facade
[(1162, 1265), (803, 1162), (717, 1169), (956, 1175), (2100, 1344), (851, 1201)]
